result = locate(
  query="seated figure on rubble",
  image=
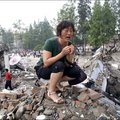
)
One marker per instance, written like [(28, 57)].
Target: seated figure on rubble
[(56, 63)]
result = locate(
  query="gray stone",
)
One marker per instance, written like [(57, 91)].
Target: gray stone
[(74, 118), (27, 117), (40, 109), (20, 112), (49, 112)]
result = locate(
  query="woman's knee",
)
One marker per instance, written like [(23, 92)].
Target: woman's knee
[(75, 72), (78, 80), (43, 73), (58, 67), (83, 76), (80, 76)]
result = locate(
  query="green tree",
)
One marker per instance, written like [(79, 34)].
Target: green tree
[(102, 24), (42, 31), (8, 38), (114, 8), (118, 18), (84, 14), (109, 23), (95, 25), (67, 12), (18, 33), (28, 38), (37, 34)]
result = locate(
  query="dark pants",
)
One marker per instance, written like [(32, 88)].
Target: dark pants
[(73, 71), (8, 84)]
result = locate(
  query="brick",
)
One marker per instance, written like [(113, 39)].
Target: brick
[(84, 89), (80, 104), (77, 102), (35, 90), (75, 89), (14, 102), (94, 95), (83, 97), (10, 107), (5, 104), (89, 101), (8, 95), (29, 107)]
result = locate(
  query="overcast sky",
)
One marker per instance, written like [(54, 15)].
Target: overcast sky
[(28, 11)]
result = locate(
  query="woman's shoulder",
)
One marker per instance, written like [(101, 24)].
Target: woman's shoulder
[(52, 39), (50, 43)]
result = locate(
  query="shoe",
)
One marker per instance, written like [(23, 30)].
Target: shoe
[(53, 96), (89, 84)]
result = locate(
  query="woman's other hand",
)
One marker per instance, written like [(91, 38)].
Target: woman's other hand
[(72, 49), (66, 50)]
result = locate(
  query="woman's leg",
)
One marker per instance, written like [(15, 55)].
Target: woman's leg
[(74, 75), (55, 77), (54, 73), (54, 80)]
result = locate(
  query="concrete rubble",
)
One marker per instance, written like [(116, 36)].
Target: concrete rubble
[(28, 101)]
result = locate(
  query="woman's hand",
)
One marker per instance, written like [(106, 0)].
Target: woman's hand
[(66, 50), (72, 49)]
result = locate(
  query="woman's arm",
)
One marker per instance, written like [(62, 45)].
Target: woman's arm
[(49, 60)]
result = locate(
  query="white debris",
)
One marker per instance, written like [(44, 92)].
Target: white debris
[(115, 65), (97, 68), (15, 59), (41, 117), (82, 116), (104, 84)]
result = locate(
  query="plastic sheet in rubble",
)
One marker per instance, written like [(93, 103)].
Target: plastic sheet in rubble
[(15, 59)]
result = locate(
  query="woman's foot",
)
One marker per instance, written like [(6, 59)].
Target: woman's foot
[(53, 96)]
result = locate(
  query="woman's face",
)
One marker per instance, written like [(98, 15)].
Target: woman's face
[(67, 34)]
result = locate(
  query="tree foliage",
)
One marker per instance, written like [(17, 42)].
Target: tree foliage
[(118, 16), (37, 34), (102, 24), (18, 33), (95, 24), (67, 12), (109, 22), (7, 37), (98, 28), (84, 13)]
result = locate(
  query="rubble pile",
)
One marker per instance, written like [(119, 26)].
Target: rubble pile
[(80, 103), (29, 101), (104, 68)]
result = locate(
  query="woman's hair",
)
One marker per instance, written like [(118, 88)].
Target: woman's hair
[(64, 24)]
